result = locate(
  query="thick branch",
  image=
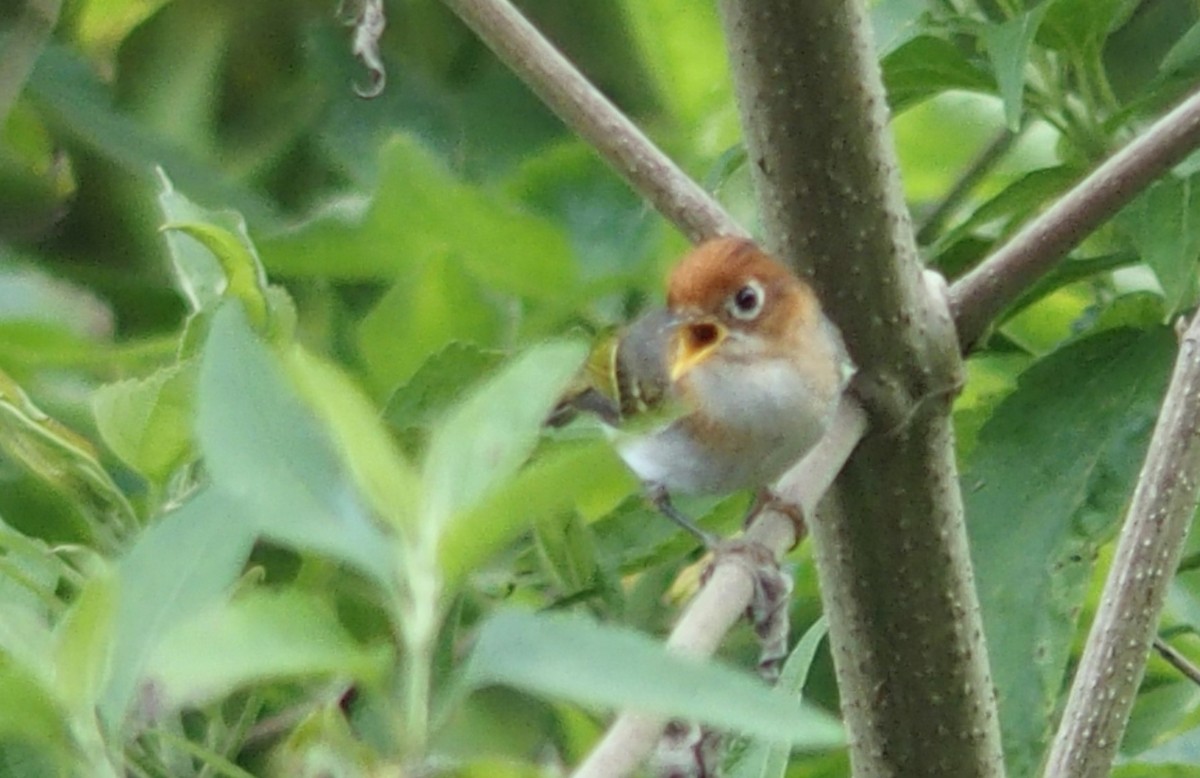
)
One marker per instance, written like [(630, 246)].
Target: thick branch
[(891, 549), (578, 103), (22, 45), (983, 293), (1148, 552)]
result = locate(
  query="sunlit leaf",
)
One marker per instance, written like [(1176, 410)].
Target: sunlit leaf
[(83, 641), (147, 421), (561, 479)]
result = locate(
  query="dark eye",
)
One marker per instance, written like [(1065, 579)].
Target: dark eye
[(747, 302)]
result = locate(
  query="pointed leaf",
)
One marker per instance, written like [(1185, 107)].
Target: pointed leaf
[(187, 560), (147, 421), (770, 760), (492, 432), (377, 466), (267, 452), (569, 657), (1008, 47)]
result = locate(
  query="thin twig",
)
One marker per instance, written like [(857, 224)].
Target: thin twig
[(979, 297), (578, 103), (24, 42), (1177, 660), (1147, 554), (974, 173)]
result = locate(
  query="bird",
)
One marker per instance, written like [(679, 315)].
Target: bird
[(726, 387)]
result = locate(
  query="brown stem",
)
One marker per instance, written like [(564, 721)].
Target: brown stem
[(1177, 660), (982, 294), (578, 103), (1147, 554)]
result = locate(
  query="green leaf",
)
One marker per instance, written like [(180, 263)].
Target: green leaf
[(572, 658), (896, 22), (1081, 26), (1181, 750), (377, 466), (683, 47), (770, 760), (83, 641), (101, 26), (1008, 47), (64, 87), (147, 421), (418, 317), (439, 383), (28, 293), (422, 211), (211, 253), (926, 66), (265, 450), (1012, 205), (1184, 55), (63, 460), (560, 479), (1044, 487), (493, 431), (29, 713), (1164, 226), (244, 279), (187, 560), (257, 637)]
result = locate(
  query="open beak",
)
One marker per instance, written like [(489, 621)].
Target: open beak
[(695, 341)]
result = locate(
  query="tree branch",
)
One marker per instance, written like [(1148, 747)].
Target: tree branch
[(891, 547), (578, 103), (724, 598), (1148, 552), (975, 301), (983, 293), (24, 42)]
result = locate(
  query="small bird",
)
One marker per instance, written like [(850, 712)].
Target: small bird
[(727, 387)]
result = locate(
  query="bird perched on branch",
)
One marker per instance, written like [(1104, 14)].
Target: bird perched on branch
[(727, 387)]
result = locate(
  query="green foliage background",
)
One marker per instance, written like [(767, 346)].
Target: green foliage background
[(273, 494)]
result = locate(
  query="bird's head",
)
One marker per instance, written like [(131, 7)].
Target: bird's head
[(734, 302)]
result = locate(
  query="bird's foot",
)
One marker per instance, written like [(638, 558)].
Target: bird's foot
[(768, 499), (768, 608)]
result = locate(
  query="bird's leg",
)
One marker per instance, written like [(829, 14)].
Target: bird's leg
[(659, 497)]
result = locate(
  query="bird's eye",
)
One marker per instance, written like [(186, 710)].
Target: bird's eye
[(747, 302)]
